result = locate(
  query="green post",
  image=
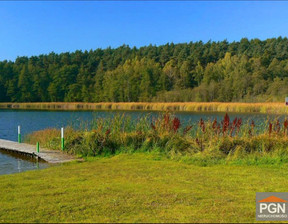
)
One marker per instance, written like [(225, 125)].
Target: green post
[(19, 134), (62, 138), (37, 147)]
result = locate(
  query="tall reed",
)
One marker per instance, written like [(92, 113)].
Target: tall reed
[(278, 108)]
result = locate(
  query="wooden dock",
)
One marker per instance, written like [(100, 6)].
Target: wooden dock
[(50, 156)]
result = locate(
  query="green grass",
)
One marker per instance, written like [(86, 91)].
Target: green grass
[(137, 188)]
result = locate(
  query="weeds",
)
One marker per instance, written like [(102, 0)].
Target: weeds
[(224, 139)]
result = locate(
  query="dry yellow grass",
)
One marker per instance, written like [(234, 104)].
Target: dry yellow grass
[(279, 108)]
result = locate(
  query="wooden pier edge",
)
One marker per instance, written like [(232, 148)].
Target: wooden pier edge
[(48, 155)]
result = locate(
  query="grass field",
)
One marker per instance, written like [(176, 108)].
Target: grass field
[(137, 188), (278, 108)]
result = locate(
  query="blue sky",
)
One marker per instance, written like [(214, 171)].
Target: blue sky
[(33, 28)]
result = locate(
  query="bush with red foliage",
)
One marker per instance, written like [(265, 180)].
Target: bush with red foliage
[(176, 124), (285, 125), (270, 128), (187, 129), (202, 125), (225, 124), (277, 126)]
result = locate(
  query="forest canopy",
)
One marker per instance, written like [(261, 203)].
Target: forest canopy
[(243, 71)]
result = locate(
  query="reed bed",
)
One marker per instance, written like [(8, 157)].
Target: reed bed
[(276, 108), (212, 139)]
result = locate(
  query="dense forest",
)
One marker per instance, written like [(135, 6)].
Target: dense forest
[(245, 71)]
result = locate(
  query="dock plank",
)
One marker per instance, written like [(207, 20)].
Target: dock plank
[(48, 155)]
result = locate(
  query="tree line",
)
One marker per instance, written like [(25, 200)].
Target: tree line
[(243, 71)]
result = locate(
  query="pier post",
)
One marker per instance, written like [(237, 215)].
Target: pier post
[(62, 138), (19, 134), (37, 147)]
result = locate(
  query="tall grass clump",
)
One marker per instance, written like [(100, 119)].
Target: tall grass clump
[(122, 134), (226, 139), (50, 138)]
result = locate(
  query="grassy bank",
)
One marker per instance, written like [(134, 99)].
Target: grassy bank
[(161, 171), (279, 108), (137, 188), (204, 142)]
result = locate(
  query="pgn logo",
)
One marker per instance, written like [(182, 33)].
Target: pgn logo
[(271, 206)]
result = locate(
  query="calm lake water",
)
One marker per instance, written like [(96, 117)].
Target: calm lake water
[(37, 120)]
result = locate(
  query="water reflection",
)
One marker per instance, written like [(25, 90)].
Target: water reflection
[(15, 163)]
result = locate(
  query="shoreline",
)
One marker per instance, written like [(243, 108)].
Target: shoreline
[(275, 108)]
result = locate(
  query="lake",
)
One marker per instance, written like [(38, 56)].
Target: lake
[(37, 120)]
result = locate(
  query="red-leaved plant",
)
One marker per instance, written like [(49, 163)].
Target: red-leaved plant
[(176, 124), (285, 125)]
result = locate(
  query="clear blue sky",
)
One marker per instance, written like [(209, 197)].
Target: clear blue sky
[(33, 28)]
